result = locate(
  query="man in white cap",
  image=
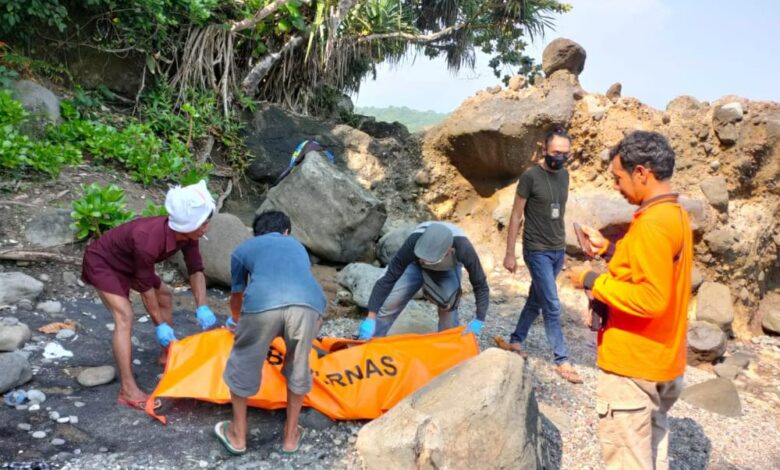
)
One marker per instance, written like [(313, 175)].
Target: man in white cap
[(124, 258), (432, 257)]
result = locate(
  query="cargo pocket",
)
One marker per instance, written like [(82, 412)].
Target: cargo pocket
[(621, 422)]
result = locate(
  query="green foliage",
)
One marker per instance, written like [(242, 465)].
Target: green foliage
[(413, 119), (101, 208), (153, 209), (17, 15), (19, 154)]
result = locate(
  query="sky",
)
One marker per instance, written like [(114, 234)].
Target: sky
[(657, 49)]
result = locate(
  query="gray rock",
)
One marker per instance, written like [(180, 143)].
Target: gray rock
[(57, 441), (359, 278), (13, 337), (36, 396), (50, 228), (44, 277), (739, 359), (725, 121), (697, 278), (40, 102), (226, 232), (769, 312), (39, 434), (716, 191), (720, 241), (517, 83), (496, 420), (313, 419), (69, 278), (24, 426), (392, 241), (714, 305), (706, 342), (49, 306), (16, 286), (14, 370), (717, 395), (563, 54), (727, 371), (614, 91), (94, 376), (422, 178), (418, 318), (65, 333), (354, 216)]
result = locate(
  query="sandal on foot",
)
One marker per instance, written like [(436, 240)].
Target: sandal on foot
[(138, 404), (511, 347), (298, 445), (568, 373), (220, 430)]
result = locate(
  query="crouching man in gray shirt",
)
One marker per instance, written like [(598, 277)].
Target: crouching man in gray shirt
[(282, 298)]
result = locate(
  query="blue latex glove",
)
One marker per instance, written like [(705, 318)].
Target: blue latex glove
[(475, 326), (206, 317), (367, 328), (164, 334), (231, 325)]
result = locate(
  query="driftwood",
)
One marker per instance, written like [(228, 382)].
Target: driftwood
[(224, 196), (25, 255)]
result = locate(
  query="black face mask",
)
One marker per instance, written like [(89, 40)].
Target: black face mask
[(555, 162)]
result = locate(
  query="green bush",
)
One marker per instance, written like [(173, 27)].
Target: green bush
[(153, 209), (100, 209)]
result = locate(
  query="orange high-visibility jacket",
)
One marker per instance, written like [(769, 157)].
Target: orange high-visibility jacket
[(647, 289)]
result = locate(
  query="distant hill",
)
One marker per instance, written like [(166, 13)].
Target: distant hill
[(413, 119)]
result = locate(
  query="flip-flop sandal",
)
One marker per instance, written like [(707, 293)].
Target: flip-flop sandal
[(301, 432), (506, 346), (138, 404), (570, 375), (220, 430)]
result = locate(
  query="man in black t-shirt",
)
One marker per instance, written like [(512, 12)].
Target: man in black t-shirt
[(541, 201)]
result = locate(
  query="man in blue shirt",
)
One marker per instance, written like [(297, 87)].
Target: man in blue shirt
[(282, 298)]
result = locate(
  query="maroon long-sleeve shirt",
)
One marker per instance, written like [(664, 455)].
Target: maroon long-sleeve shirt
[(125, 256)]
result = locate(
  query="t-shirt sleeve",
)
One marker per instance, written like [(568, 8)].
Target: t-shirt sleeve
[(467, 256), (192, 258), (525, 185), (403, 258), (238, 273)]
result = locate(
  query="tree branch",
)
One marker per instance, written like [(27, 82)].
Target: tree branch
[(253, 78), (413, 37), (259, 16), (22, 255)]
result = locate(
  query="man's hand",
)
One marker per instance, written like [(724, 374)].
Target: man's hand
[(231, 325), (206, 317), (164, 335), (367, 329), (510, 262), (576, 274), (597, 240), (475, 326)]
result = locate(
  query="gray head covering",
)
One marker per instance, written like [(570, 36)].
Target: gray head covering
[(434, 243)]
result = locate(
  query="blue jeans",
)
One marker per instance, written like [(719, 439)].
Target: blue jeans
[(404, 289), (544, 267)]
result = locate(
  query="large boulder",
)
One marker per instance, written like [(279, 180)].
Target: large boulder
[(13, 334), (359, 279), (725, 121), (14, 370), (418, 318), (706, 342), (226, 232), (714, 305), (40, 102), (392, 241), (50, 228), (492, 138), (563, 54), (716, 395), (331, 213), (479, 414), (16, 286), (769, 312)]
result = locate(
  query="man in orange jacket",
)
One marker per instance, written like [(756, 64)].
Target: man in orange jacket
[(641, 345)]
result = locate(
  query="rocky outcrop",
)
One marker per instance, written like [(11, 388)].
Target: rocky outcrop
[(14, 370), (331, 214), (496, 420), (359, 279), (51, 228), (40, 102), (714, 305), (563, 54)]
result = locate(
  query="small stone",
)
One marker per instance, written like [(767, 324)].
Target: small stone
[(614, 91), (604, 156), (666, 119), (54, 416), (714, 165), (77, 452), (65, 333), (69, 278), (94, 376), (422, 178), (103, 449), (143, 319), (64, 419), (25, 305), (137, 362), (34, 407), (44, 277), (50, 306), (80, 283), (39, 434), (110, 326), (274, 456), (202, 464), (24, 426), (79, 404), (727, 371), (57, 441), (73, 419)]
